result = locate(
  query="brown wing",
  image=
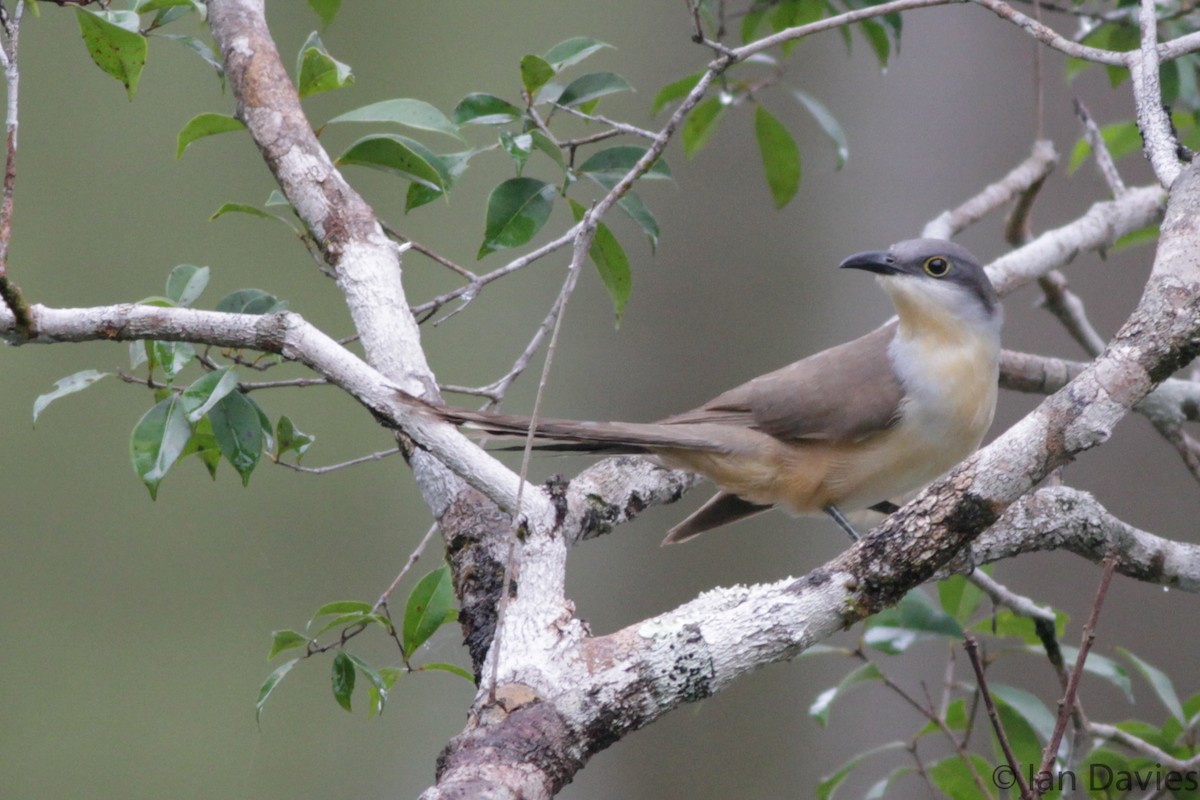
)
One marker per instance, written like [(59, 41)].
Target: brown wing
[(845, 392)]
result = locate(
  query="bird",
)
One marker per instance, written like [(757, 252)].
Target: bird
[(847, 428)]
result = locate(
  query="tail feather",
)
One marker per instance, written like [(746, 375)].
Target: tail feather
[(581, 436)]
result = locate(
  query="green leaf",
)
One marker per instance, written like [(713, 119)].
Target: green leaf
[(76, 382), (535, 72), (877, 37), (1121, 139), (592, 86), (326, 9), (116, 49), (239, 434), (780, 156), (343, 679), (206, 125), (269, 686), (954, 778), (615, 162), (242, 208), (479, 108), (793, 13), (632, 205), (1146, 235), (317, 71), (157, 441), (572, 51), (675, 90), (290, 438), (200, 48), (543, 142), (286, 640), (519, 146), (517, 209), (956, 719), (1159, 682), (611, 262), (185, 283), (379, 684), (1005, 623), (339, 607), (399, 155), (751, 23), (879, 789), (819, 710), (351, 620), (204, 445), (915, 618), (199, 398), (405, 111), (829, 784), (251, 301), (1098, 665), (452, 166), (1021, 732), (453, 669), (828, 123), (1031, 709), (146, 6), (959, 597), (426, 608), (700, 125), (172, 357)]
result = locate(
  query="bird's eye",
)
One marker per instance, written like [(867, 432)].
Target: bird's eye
[(936, 266)]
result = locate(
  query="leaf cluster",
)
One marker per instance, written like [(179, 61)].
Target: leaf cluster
[(430, 605), (948, 750)]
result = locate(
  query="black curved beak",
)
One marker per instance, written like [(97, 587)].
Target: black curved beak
[(878, 261)]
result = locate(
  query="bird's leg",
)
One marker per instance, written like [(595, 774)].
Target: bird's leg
[(841, 520)]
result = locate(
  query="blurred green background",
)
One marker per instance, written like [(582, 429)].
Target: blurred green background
[(135, 632)]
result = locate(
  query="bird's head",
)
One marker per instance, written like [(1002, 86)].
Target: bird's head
[(933, 277)]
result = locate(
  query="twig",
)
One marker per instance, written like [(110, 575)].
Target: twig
[(425, 251), (1044, 776), (827, 24), (1104, 159), (251, 386), (586, 231), (1064, 304), (1187, 447), (940, 724), (1069, 310), (413, 557), (972, 648), (1158, 137), (1001, 595), (377, 456), (1142, 747), (496, 390), (616, 125), (10, 292), (430, 307)]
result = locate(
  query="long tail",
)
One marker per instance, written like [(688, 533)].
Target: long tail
[(580, 436)]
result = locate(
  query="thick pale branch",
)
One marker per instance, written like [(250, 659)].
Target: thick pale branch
[(590, 696), (1101, 226), (295, 339), (1158, 136), (1062, 518), (704, 645)]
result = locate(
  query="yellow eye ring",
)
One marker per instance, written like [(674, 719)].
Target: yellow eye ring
[(937, 266)]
